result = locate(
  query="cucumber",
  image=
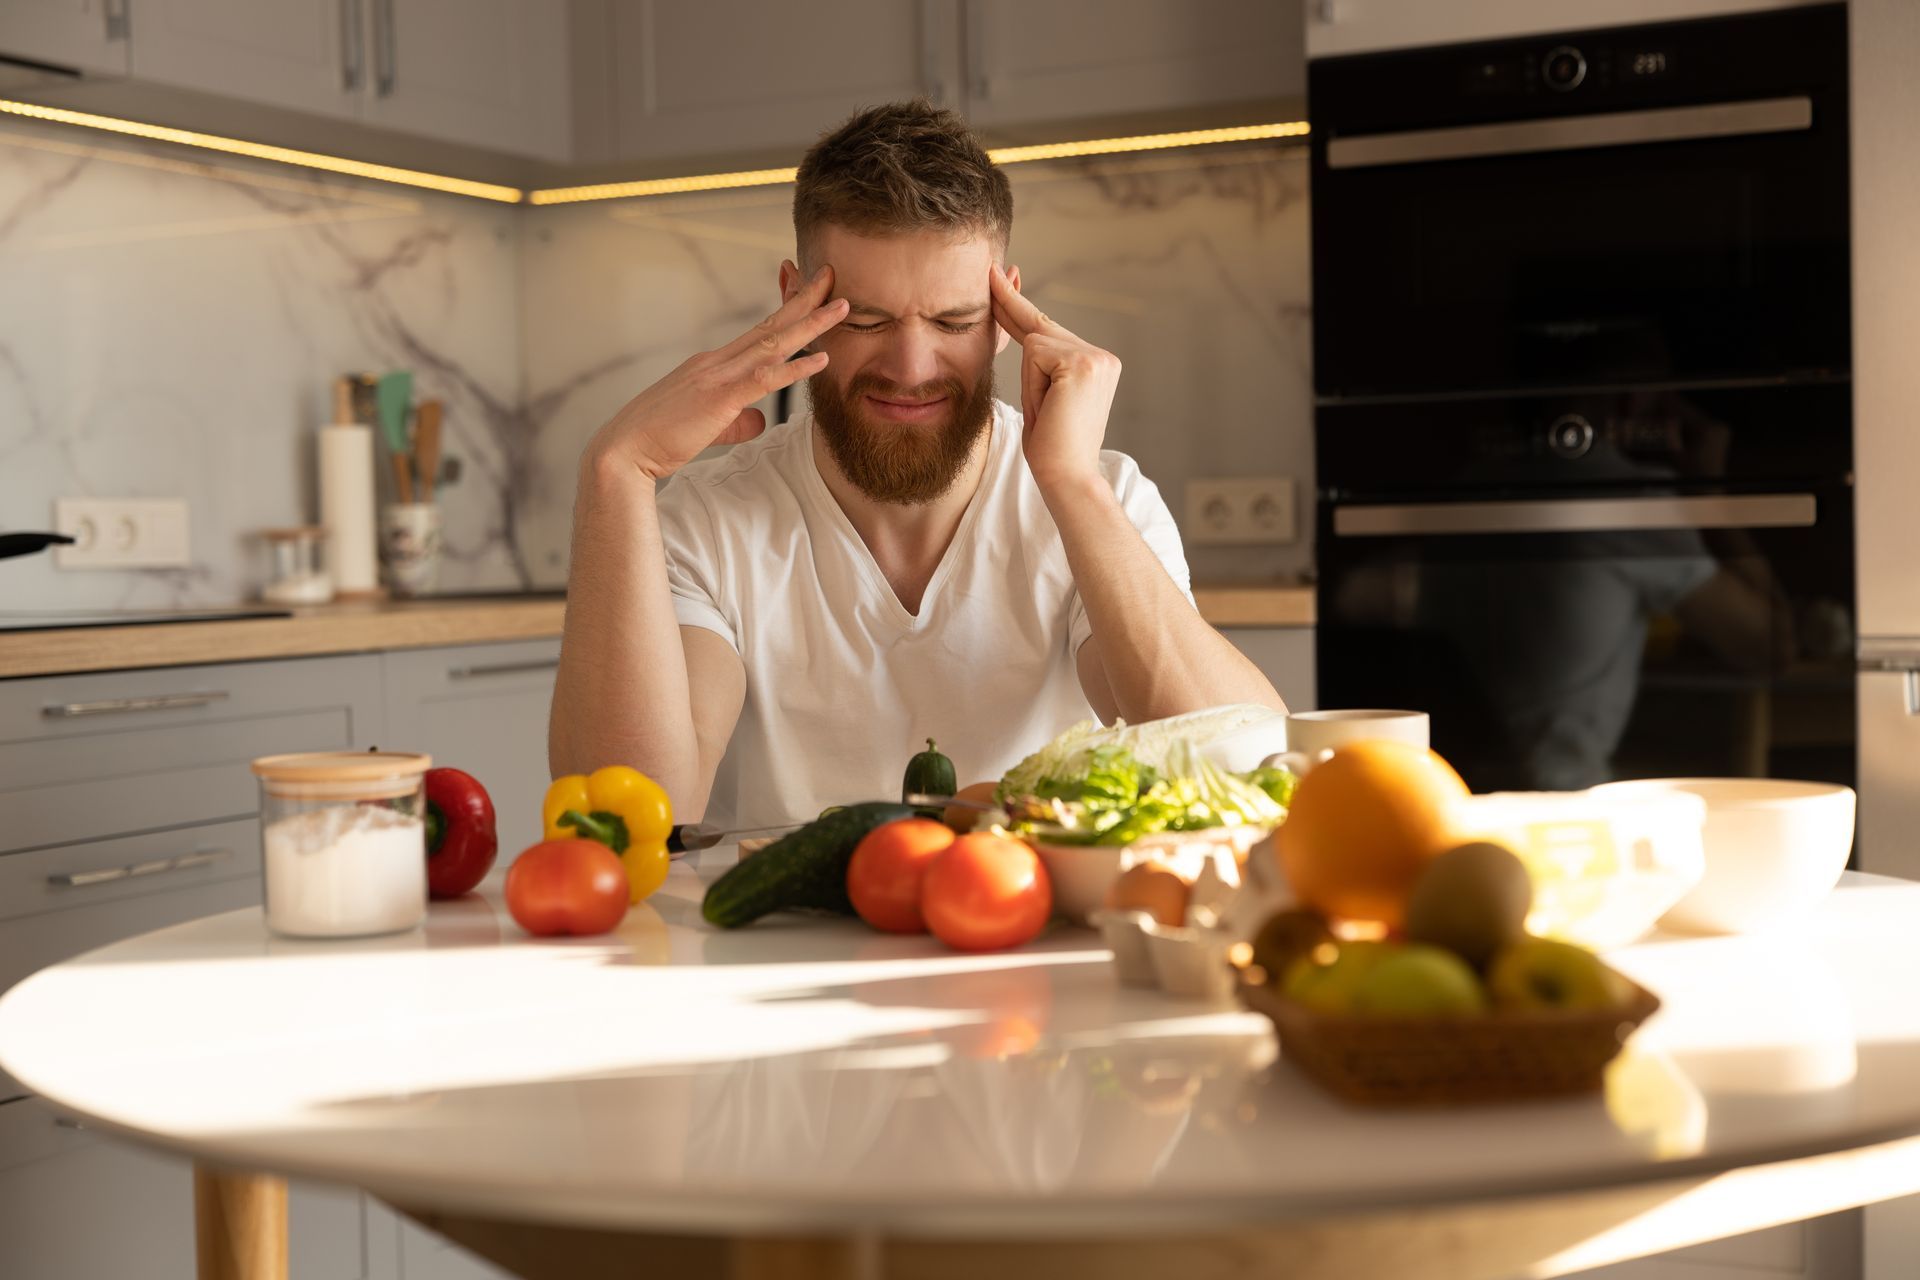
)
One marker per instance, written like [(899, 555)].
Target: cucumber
[(807, 868), (929, 774)]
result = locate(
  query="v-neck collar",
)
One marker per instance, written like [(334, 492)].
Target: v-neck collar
[(863, 555)]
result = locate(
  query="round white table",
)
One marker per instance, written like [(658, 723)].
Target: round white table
[(808, 1097)]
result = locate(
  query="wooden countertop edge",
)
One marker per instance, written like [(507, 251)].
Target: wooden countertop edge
[(1255, 606), (309, 633), (358, 628)]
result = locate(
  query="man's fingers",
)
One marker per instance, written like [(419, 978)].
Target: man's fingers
[(1033, 388), (1015, 313), (778, 344), (749, 424), (768, 376), (810, 295)]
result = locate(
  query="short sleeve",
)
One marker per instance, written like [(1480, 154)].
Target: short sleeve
[(692, 550), (1140, 499)]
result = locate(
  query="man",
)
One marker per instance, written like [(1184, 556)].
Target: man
[(780, 629)]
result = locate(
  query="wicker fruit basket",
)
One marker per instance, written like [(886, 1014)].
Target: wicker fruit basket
[(1502, 1056)]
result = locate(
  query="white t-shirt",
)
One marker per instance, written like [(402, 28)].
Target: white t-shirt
[(843, 684)]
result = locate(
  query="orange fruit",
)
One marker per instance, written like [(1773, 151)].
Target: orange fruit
[(1363, 826)]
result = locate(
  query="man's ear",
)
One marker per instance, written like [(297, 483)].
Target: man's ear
[(790, 280), (1001, 336)]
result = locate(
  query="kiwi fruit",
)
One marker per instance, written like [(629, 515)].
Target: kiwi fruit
[(1286, 937), (1473, 900)]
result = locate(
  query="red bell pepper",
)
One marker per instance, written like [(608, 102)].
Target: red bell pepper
[(461, 841)]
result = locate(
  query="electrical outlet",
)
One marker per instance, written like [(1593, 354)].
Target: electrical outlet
[(122, 533), (1256, 510)]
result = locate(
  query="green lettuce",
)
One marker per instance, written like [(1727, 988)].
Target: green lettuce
[(1105, 794)]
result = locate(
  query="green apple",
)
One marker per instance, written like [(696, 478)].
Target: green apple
[(1330, 987), (1541, 973), (1420, 981)]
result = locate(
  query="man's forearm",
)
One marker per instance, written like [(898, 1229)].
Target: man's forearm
[(621, 696), (1160, 656)]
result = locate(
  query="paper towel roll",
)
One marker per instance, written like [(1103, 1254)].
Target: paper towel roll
[(346, 507)]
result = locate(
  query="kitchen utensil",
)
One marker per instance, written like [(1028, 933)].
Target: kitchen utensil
[(25, 544), (1773, 848), (394, 396), (426, 446), (410, 545)]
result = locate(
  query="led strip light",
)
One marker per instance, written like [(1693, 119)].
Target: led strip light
[(613, 190), (261, 151), (999, 155)]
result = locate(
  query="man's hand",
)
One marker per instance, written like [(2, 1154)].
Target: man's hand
[(1066, 388), (708, 399)]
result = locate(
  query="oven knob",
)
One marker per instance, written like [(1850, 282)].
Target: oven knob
[(1563, 68), (1571, 436)]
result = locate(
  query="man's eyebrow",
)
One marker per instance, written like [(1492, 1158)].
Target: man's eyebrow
[(951, 313)]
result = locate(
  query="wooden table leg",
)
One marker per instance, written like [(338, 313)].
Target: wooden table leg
[(239, 1224)]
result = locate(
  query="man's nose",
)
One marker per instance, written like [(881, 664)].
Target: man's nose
[(911, 358)]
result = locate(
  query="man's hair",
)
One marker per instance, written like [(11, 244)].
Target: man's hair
[(907, 166)]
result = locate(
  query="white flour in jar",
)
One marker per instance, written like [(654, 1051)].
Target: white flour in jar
[(344, 870)]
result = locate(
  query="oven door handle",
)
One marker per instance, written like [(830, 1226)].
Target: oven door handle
[(1572, 133), (1578, 515)]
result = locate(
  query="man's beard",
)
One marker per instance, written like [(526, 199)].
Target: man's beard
[(901, 463)]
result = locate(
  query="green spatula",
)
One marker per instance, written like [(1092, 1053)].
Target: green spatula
[(394, 396)]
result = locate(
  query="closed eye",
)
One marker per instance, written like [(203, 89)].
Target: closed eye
[(945, 326)]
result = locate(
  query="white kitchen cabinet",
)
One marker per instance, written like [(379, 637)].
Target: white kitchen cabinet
[(484, 73), (481, 708), (85, 35), (676, 79), (1035, 61), (307, 55), (487, 73), (78, 1205), (1284, 656)]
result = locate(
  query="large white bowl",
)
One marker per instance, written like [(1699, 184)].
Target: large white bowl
[(1774, 849)]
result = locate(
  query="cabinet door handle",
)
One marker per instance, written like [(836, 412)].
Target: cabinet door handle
[(353, 47), (114, 706), (386, 59), (119, 21), (503, 669), (157, 866)]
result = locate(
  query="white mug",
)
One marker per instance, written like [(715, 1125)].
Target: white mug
[(1312, 736)]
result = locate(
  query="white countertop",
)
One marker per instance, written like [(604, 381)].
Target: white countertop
[(807, 1072)]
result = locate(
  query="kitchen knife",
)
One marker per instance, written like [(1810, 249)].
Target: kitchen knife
[(695, 836)]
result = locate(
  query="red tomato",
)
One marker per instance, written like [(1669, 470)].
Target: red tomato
[(888, 865), (986, 892), (567, 886)]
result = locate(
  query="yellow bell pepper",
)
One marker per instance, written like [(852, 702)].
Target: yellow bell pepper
[(623, 809)]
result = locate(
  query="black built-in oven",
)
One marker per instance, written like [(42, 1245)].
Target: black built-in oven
[(1584, 420)]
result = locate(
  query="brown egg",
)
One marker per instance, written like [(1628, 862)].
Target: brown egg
[(962, 819), (1159, 891)]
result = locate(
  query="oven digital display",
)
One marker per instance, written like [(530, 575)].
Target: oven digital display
[(1648, 64)]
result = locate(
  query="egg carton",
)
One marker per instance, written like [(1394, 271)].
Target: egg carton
[(1195, 960)]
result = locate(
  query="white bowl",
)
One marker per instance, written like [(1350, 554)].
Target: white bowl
[(1082, 874), (1774, 849)]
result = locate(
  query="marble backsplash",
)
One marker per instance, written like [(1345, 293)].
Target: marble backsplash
[(1191, 266), (170, 325)]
